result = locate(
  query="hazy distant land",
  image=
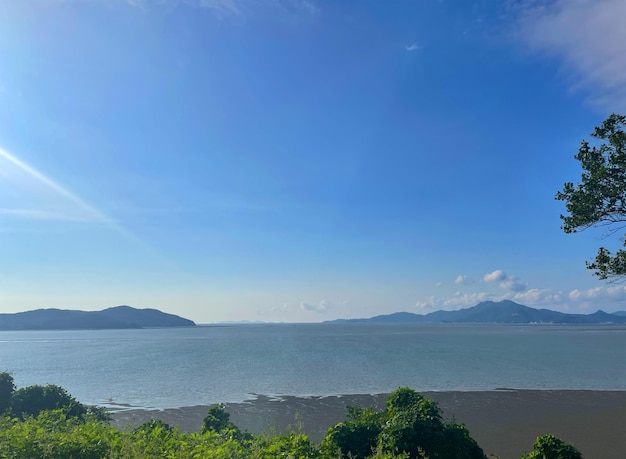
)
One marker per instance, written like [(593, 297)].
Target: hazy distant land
[(119, 317), (502, 312), (126, 317)]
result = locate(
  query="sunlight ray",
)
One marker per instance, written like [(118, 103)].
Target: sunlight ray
[(94, 214)]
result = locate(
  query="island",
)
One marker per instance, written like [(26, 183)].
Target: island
[(118, 317), (501, 312)]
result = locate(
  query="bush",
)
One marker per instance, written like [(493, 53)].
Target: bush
[(357, 437), (32, 400), (293, 445), (52, 435), (550, 447), (411, 426)]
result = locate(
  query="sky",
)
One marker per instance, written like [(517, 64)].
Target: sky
[(300, 160)]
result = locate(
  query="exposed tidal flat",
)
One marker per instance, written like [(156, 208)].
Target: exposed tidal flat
[(503, 422), (571, 377)]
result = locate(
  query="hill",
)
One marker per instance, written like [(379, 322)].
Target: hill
[(502, 312), (111, 318)]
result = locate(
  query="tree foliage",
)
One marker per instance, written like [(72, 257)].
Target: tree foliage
[(32, 400), (218, 420), (7, 387), (600, 197), (411, 426), (357, 436), (550, 447), (415, 427)]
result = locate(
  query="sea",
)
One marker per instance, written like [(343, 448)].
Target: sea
[(173, 367)]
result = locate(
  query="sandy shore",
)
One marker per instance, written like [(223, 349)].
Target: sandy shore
[(504, 422)]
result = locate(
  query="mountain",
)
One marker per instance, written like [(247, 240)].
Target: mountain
[(145, 317), (502, 312), (111, 318)]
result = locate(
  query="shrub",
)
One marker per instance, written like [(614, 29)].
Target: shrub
[(550, 447), (32, 400)]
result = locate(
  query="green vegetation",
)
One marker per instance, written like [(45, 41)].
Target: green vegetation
[(550, 447), (32, 401), (7, 387), (45, 422), (411, 426), (600, 197)]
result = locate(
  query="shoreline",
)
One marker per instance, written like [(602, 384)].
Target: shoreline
[(504, 422)]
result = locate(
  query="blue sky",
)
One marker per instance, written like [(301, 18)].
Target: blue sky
[(300, 160)]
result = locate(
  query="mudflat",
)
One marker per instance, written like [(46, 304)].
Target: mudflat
[(503, 422)]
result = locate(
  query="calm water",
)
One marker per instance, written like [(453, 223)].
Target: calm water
[(177, 367)]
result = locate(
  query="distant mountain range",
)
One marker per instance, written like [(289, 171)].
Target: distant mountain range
[(502, 312), (111, 318)]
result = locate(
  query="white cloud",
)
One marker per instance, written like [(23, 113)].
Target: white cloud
[(587, 36), (612, 293), (538, 296), (530, 297), (609, 298), (282, 307), (576, 299), (224, 8), (220, 6), (35, 214), (463, 280), (439, 284), (513, 284), (304, 5), (431, 302), (510, 283), (468, 299), (322, 306), (412, 47), (137, 3), (495, 276)]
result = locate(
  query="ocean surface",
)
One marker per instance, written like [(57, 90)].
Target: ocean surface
[(167, 368)]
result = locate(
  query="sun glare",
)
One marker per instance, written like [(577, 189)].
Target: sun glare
[(82, 211)]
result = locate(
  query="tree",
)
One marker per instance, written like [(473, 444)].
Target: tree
[(600, 197), (32, 400), (357, 436), (218, 420), (410, 427), (414, 425), (7, 387), (550, 447)]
